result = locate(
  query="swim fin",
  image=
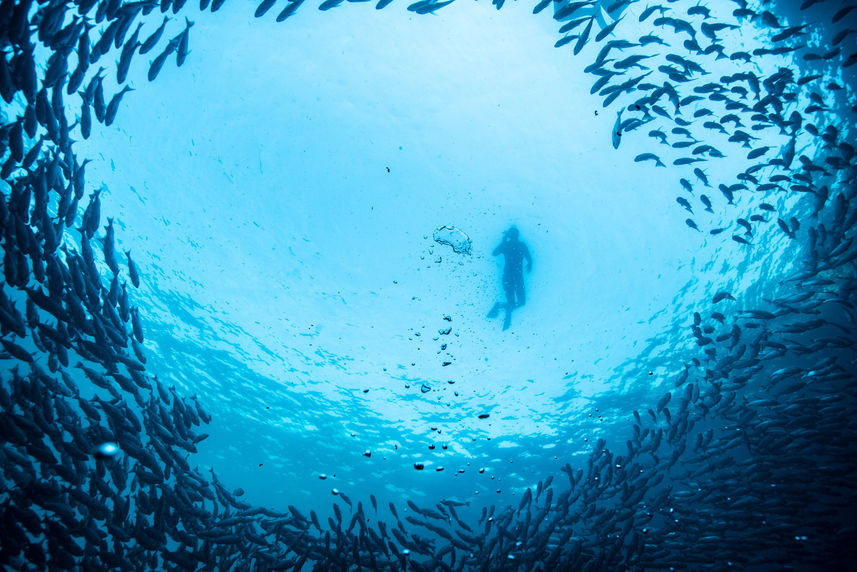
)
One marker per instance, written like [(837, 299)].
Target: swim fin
[(494, 310), (508, 321)]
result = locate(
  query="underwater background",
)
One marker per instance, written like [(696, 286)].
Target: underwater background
[(247, 274)]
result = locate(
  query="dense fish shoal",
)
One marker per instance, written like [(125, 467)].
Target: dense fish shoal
[(745, 461)]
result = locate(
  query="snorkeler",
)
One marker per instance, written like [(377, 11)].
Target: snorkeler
[(514, 252)]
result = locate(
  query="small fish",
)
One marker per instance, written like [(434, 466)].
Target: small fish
[(540, 6), (758, 152), (727, 192), (710, 30), (689, 222), (183, 39), (788, 33), (651, 10), (606, 31), (651, 39), (158, 62), (659, 135), (785, 228), (110, 247), (263, 8), (85, 120), (150, 42), (125, 59), (677, 24), (616, 135), (89, 93), (787, 153), (722, 295), (631, 61), (731, 117), (837, 39), (31, 155), (581, 41), (649, 157), (421, 5), (571, 25), (84, 48), (289, 10), (683, 202), (113, 106), (699, 10), (98, 104), (748, 177), (558, 44), (806, 79), (76, 79), (133, 270), (137, 324), (742, 137)]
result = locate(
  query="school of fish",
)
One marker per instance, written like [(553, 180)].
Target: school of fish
[(746, 463)]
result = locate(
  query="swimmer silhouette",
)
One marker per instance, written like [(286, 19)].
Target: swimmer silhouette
[(514, 251)]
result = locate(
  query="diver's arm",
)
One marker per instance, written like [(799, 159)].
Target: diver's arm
[(499, 249)]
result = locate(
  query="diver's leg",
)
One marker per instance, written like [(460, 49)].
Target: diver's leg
[(509, 287), (522, 299)]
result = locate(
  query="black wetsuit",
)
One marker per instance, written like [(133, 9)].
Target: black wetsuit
[(514, 251)]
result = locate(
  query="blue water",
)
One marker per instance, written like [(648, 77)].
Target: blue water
[(280, 192)]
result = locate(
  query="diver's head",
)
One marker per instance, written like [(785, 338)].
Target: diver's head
[(512, 232)]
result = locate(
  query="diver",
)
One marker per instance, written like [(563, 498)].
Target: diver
[(514, 251)]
